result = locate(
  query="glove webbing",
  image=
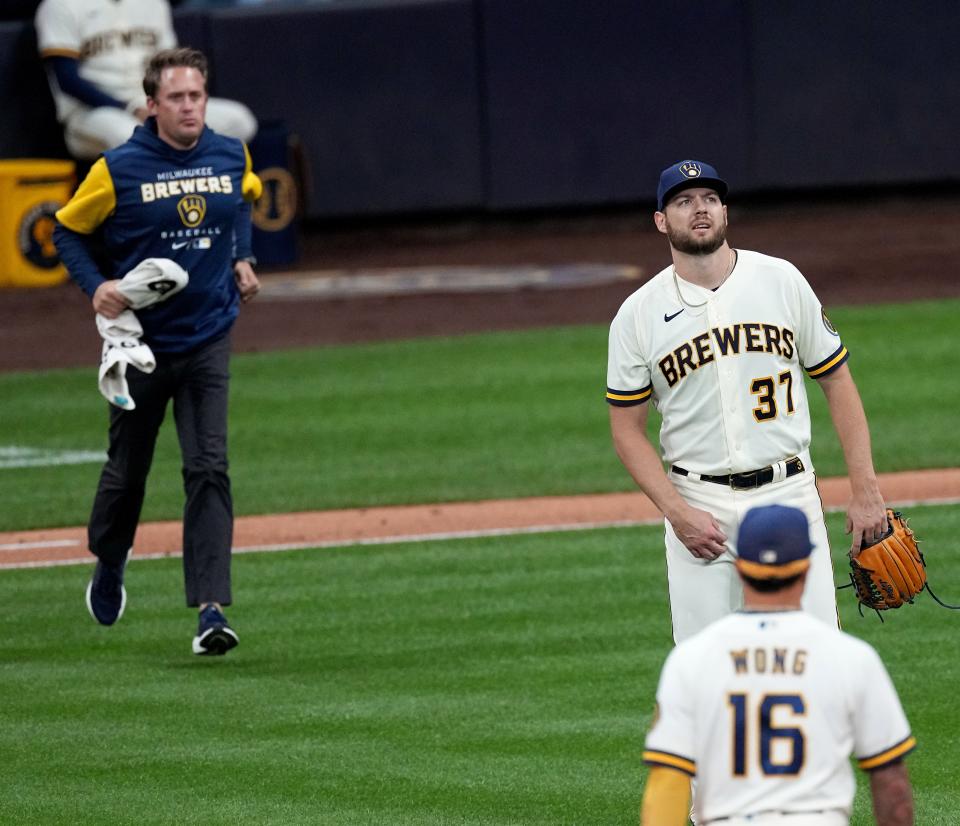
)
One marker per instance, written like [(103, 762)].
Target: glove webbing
[(870, 585), (938, 600)]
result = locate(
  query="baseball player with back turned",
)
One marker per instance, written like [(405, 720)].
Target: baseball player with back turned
[(719, 342), (765, 707), (95, 53)]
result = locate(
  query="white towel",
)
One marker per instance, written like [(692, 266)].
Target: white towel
[(121, 346), (152, 280)]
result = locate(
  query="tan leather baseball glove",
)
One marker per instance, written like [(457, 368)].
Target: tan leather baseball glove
[(892, 571)]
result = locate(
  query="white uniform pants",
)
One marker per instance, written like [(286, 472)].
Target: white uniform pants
[(701, 592), (90, 132)]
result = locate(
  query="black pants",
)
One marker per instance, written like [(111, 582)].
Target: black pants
[(198, 383)]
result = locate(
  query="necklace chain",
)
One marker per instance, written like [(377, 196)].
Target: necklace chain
[(676, 282)]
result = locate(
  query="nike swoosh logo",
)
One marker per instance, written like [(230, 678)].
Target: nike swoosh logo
[(182, 244), (672, 317)]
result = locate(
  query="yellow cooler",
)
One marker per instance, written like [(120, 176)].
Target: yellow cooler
[(31, 191)]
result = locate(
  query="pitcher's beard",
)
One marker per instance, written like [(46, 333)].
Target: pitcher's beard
[(683, 241)]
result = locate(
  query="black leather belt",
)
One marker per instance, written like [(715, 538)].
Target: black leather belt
[(749, 479)]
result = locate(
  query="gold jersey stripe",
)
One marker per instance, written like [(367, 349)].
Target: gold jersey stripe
[(889, 755), (629, 397), (662, 758), (60, 53), (823, 368)]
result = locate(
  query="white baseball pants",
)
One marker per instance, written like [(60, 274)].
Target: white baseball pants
[(701, 592)]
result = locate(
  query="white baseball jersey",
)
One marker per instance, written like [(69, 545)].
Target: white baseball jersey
[(724, 367), (113, 40), (765, 709)]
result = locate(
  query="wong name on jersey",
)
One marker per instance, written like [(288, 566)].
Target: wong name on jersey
[(769, 660)]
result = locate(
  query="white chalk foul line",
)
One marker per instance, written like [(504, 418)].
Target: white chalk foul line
[(19, 456), (432, 537), (400, 539), (45, 543), (349, 543)]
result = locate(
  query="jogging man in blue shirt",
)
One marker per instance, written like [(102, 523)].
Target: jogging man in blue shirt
[(180, 191)]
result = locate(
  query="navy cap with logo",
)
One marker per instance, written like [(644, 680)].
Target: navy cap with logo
[(685, 175), (774, 542)]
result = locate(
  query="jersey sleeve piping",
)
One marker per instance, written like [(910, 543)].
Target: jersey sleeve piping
[(876, 761), (60, 52), (670, 761), (628, 398), (829, 364)]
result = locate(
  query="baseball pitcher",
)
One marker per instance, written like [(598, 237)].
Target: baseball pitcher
[(720, 343)]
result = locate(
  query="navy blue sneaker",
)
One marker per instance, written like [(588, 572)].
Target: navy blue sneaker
[(106, 596), (214, 634)]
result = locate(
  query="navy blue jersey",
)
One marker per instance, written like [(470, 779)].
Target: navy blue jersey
[(152, 200)]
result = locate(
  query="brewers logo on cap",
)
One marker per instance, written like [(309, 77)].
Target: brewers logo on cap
[(686, 174)]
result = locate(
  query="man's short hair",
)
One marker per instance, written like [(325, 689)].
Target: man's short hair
[(169, 58), (769, 586)]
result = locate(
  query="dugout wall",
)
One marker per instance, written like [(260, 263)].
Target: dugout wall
[(412, 106)]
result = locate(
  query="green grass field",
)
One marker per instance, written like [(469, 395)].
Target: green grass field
[(474, 417), (489, 681), (504, 680)]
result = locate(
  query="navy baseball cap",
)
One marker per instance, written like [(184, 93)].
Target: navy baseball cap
[(774, 543), (685, 175)]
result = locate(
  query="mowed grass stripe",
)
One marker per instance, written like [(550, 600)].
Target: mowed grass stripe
[(455, 419), (500, 680)]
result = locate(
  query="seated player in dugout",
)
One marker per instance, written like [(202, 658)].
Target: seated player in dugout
[(95, 53)]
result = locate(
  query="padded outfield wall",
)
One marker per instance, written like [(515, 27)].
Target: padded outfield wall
[(412, 106)]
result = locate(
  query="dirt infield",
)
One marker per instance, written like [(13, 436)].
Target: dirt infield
[(870, 249), (395, 524), (865, 249)]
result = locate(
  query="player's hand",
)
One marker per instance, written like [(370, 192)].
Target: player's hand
[(866, 519), (699, 532), (108, 300), (247, 281)]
